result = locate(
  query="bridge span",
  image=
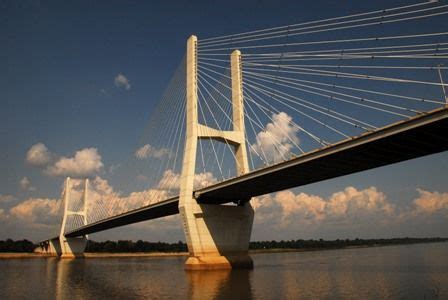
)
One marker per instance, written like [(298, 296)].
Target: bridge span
[(422, 135)]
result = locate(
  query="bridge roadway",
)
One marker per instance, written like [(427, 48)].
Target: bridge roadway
[(422, 135)]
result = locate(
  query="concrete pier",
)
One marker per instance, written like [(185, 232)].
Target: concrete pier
[(73, 247)]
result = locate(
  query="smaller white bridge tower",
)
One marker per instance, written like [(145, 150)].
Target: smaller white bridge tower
[(75, 246)]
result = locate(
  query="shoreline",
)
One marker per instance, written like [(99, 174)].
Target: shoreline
[(88, 255)]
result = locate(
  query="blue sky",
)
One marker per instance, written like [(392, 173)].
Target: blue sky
[(60, 62)]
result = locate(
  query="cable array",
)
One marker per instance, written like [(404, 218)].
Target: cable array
[(305, 86), (151, 173), (312, 84)]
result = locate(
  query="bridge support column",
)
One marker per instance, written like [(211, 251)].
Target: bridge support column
[(75, 246), (54, 248), (50, 247), (217, 236)]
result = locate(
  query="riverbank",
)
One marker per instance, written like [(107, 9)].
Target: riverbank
[(8, 255), (180, 254), (95, 255)]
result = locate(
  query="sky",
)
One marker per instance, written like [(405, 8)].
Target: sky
[(80, 79)]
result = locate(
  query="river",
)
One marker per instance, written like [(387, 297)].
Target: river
[(418, 271)]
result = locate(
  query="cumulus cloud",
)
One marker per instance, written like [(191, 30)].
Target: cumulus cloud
[(286, 208), (38, 155), (171, 180), (122, 82), (42, 216), (203, 180), (147, 151), (343, 212), (431, 202), (277, 139), (85, 163), (105, 201), (25, 184), (37, 210)]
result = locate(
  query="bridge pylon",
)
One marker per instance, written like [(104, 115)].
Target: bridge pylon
[(217, 235), (72, 247)]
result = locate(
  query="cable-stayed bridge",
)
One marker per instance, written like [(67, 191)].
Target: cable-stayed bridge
[(262, 111)]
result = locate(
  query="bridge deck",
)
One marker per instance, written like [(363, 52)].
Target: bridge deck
[(422, 135)]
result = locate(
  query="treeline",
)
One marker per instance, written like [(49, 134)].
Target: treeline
[(130, 246), (17, 246), (339, 243), (143, 246)]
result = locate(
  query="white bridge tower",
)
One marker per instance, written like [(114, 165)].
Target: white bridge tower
[(217, 235)]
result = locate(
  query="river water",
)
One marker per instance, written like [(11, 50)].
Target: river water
[(417, 271)]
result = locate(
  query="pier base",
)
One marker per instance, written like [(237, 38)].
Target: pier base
[(73, 247), (54, 248), (242, 261), (49, 248), (218, 236)]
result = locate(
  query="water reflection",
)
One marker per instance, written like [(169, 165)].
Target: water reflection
[(74, 281), (374, 273), (219, 284), (401, 272), (117, 278)]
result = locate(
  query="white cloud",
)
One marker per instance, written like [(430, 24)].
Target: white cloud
[(203, 180), (351, 201), (106, 202), (431, 202), (85, 163), (102, 186), (42, 216), (171, 180), (147, 151), (38, 155), (344, 207), (25, 184), (350, 211), (278, 138), (122, 82), (37, 210)]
